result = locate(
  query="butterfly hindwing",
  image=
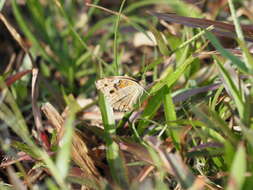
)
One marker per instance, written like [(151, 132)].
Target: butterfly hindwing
[(128, 97)]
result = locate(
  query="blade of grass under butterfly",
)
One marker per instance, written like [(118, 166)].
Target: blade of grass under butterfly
[(116, 163)]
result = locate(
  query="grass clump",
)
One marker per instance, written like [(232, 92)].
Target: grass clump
[(191, 129)]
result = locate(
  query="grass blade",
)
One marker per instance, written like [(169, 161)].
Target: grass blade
[(238, 169), (2, 4), (64, 154), (115, 42), (116, 163), (237, 62), (232, 86), (171, 78), (170, 115), (239, 33)]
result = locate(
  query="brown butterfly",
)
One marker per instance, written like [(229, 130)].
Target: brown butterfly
[(121, 92)]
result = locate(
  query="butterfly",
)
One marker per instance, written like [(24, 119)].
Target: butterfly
[(122, 92)]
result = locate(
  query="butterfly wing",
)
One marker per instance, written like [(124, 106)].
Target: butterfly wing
[(128, 97), (120, 97), (105, 85)]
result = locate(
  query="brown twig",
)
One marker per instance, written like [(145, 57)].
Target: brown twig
[(109, 11)]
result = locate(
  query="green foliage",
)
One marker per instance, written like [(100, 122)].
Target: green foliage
[(176, 134)]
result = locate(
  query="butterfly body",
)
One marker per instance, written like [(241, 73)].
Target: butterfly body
[(121, 92)]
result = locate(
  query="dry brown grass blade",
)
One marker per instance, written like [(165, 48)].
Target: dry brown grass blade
[(109, 11), (200, 184), (14, 179), (16, 36), (220, 28), (80, 152), (10, 64), (34, 175), (136, 149), (81, 157), (36, 111), (54, 118), (14, 33), (144, 173), (35, 108), (13, 78), (206, 54)]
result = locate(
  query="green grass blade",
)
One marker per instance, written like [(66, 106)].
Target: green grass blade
[(5, 186), (27, 31), (64, 154), (115, 42), (238, 169), (239, 34), (159, 180), (212, 121), (171, 78), (116, 163), (73, 31), (2, 4), (233, 89), (170, 115), (153, 105), (237, 62), (160, 41)]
